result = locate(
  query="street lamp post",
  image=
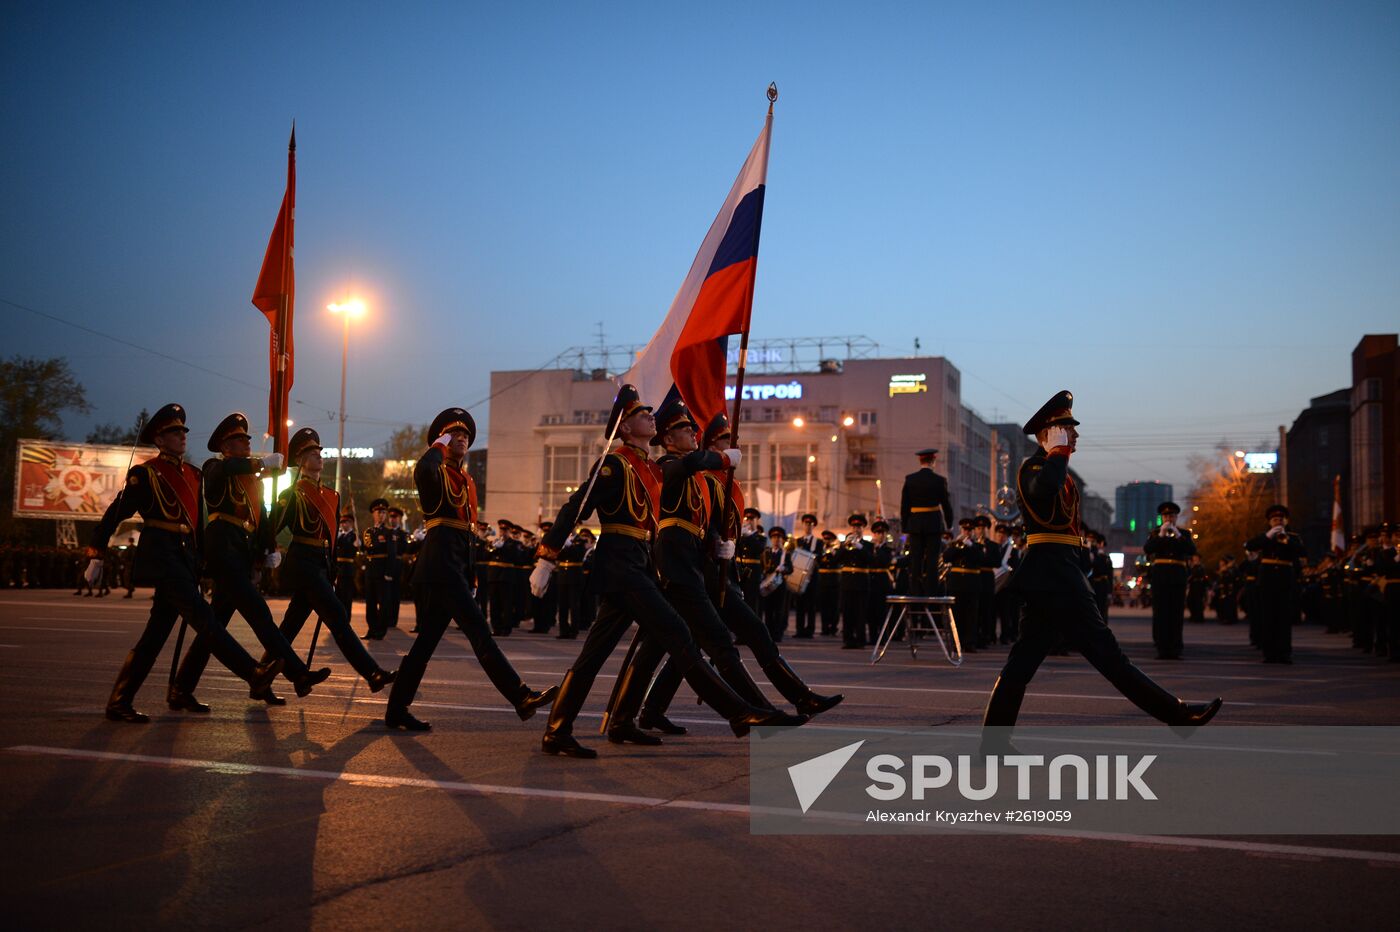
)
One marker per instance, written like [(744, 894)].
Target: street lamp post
[(352, 308)]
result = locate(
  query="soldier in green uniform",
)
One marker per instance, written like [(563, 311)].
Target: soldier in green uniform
[(1059, 604), (347, 555), (393, 569)]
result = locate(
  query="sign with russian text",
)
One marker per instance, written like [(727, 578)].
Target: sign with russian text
[(77, 481)]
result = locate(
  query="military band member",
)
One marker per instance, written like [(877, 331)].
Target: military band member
[(748, 557), (828, 584), (776, 565), (881, 572), (378, 543), (986, 580), (1280, 555), (447, 497), (1197, 582), (347, 553), (808, 603), (964, 559), (1059, 604), (1008, 605), (721, 585), (165, 491), (855, 583), (568, 577), (393, 569), (500, 578), (1100, 573), (1226, 591), (545, 609), (1170, 550), (308, 511), (925, 511), (626, 495), (237, 539)]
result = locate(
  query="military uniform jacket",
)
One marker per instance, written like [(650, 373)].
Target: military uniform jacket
[(346, 548), (166, 493), (965, 559), (381, 549), (811, 543), (855, 563), (1170, 557), (829, 566), (924, 506), (569, 569), (627, 499), (1279, 557), (690, 520), (881, 567), (1049, 502), (308, 510), (238, 532), (1100, 571), (447, 497), (775, 561)]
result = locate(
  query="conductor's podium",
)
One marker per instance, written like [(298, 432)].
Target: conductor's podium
[(920, 616)]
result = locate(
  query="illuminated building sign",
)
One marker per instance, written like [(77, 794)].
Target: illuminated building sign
[(908, 384), (1260, 462), (789, 391), (351, 453), (774, 355)]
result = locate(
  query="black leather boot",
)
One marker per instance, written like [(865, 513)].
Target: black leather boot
[(794, 690), (179, 700), (527, 707), (717, 694), (404, 720), (263, 675), (129, 679), (308, 680), (267, 696), (1145, 693), (558, 734), (381, 678), (739, 680), (631, 690), (657, 721), (1003, 705), (628, 733)]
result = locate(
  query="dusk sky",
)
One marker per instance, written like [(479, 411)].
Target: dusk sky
[(1187, 213)]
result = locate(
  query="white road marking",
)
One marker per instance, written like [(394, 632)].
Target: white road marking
[(64, 630), (1376, 858)]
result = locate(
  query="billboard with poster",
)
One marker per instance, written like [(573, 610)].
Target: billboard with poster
[(76, 481)]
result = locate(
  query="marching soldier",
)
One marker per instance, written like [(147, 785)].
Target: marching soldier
[(1059, 605), (1170, 550), (808, 602), (377, 545), (625, 490), (447, 496), (165, 490), (238, 538), (347, 551), (775, 567), (828, 584), (925, 511), (749, 557), (722, 601), (855, 584), (1280, 555), (308, 511), (881, 572)]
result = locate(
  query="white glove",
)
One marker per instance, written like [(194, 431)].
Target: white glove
[(1276, 531), (724, 550), (93, 574), (271, 461), (539, 578), (421, 533), (274, 560), (1169, 530), (445, 440), (733, 456), (1056, 437)]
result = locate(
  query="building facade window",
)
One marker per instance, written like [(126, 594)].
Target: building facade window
[(563, 474)]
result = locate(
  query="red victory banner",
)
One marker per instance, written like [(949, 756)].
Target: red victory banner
[(275, 296)]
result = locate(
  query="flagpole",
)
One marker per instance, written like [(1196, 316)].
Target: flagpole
[(739, 386)]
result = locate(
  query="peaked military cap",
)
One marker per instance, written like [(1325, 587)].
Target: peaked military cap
[(395, 511), (828, 534), (235, 425), (717, 428), (776, 531), (967, 522), (172, 415), (857, 518), (672, 413), (752, 513), (926, 452), (453, 419), (881, 526), (303, 440), (1057, 412), (982, 521), (381, 502), (1277, 511), (809, 517), (347, 516), (626, 404), (1169, 508)]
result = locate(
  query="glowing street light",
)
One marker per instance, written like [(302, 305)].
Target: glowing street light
[(848, 421), (348, 309), (798, 422)]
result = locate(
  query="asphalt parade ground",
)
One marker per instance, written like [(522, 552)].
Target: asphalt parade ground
[(312, 815)]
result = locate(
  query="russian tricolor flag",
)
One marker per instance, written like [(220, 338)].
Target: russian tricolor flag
[(689, 353)]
